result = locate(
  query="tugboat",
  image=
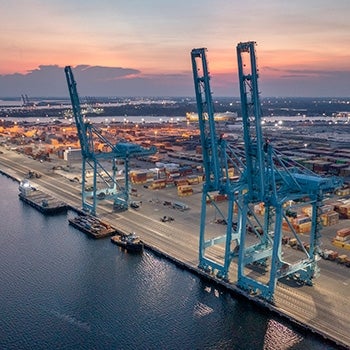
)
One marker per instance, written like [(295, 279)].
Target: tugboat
[(130, 242)]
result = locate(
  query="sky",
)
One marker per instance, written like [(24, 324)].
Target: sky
[(142, 47)]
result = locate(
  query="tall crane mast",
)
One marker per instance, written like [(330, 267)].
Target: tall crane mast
[(218, 158), (98, 162), (264, 179)]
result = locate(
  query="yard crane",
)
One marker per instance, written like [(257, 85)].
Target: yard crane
[(98, 162), (264, 178)]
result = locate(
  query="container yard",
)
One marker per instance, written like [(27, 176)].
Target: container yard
[(169, 183), (166, 202)]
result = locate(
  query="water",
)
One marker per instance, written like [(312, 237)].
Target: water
[(107, 120), (63, 290)]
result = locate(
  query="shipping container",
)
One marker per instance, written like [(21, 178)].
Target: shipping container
[(185, 190), (158, 184), (344, 232), (330, 219)]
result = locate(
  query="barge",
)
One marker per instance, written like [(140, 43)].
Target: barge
[(129, 242), (92, 226), (39, 200)]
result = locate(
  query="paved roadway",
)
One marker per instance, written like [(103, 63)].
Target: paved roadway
[(325, 306)]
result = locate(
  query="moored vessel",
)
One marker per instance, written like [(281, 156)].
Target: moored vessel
[(130, 242), (92, 226), (39, 200)]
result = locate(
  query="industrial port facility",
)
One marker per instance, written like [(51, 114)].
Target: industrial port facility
[(244, 213)]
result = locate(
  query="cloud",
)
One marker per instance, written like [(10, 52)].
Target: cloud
[(50, 81), (308, 82), (290, 73)]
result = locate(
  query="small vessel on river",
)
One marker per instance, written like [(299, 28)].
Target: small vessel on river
[(130, 242)]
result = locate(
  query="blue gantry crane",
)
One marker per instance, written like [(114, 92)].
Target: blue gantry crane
[(104, 184), (263, 178)]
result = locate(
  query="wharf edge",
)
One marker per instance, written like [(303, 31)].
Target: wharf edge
[(228, 287)]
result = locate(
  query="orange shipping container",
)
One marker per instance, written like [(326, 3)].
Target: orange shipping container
[(343, 232)]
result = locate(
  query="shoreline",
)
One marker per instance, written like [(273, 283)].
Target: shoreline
[(231, 288)]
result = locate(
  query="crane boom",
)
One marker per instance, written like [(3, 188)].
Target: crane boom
[(98, 161), (81, 128), (206, 120), (251, 116)]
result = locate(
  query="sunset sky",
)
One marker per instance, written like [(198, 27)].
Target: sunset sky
[(142, 47)]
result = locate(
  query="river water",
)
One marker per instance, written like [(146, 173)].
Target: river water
[(63, 290)]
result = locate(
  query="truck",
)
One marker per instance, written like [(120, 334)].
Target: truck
[(329, 254), (181, 206)]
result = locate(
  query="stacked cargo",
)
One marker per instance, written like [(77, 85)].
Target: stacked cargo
[(300, 224), (169, 182), (193, 179), (344, 211), (185, 170), (321, 167), (172, 172), (345, 172), (259, 209), (330, 218), (327, 208), (343, 191), (181, 182), (220, 197), (184, 190), (158, 184), (343, 235), (231, 173), (138, 177)]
